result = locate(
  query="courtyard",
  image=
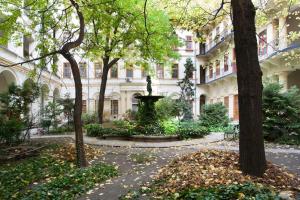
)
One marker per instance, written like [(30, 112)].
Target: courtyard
[(149, 99)]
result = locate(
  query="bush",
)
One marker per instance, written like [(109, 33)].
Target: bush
[(96, 130), (150, 129), (45, 124), (214, 117), (241, 191), (191, 130), (89, 118), (167, 108), (281, 111), (10, 130), (62, 129), (130, 115), (124, 124), (170, 127)]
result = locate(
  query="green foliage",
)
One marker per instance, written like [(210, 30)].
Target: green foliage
[(214, 117), (108, 37), (96, 130), (150, 129), (10, 130), (130, 115), (146, 114), (65, 180), (62, 129), (68, 107), (191, 129), (245, 191), (170, 127), (281, 111), (187, 91), (89, 118), (52, 111), (124, 124), (167, 108), (14, 110)]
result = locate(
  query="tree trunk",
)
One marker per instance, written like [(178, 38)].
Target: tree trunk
[(65, 51), (102, 92), (249, 76), (80, 153)]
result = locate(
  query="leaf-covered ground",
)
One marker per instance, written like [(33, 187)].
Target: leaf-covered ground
[(210, 168), (52, 175)]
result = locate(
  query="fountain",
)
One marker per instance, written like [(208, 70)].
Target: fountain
[(147, 113)]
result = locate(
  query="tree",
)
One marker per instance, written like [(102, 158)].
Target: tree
[(187, 90), (249, 77), (68, 107), (46, 18), (126, 29)]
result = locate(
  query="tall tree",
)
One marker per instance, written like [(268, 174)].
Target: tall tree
[(249, 77), (43, 18), (127, 29)]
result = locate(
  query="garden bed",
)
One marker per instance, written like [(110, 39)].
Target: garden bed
[(143, 138)]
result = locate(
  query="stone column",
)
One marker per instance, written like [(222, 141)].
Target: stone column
[(282, 32), (283, 79)]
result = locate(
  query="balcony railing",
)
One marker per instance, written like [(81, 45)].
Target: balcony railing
[(218, 39), (214, 76)]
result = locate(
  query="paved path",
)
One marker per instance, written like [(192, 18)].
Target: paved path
[(155, 155)]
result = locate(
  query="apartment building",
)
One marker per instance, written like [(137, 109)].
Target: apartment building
[(214, 77), (126, 80), (218, 80)]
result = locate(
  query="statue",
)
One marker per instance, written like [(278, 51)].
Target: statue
[(149, 87)]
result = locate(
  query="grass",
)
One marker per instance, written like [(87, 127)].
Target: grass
[(45, 177)]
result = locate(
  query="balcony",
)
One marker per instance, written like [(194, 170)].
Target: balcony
[(276, 46), (223, 73), (207, 48)]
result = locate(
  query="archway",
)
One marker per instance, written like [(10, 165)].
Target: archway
[(6, 79)]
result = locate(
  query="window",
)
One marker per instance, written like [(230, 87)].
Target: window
[(189, 43), (175, 71), (26, 45), (135, 102), (67, 70), (84, 106), (98, 69), (217, 68), (210, 71), (262, 44), (114, 71), (225, 62), (129, 71), (217, 34), (236, 107), (160, 71), (82, 69), (114, 107)]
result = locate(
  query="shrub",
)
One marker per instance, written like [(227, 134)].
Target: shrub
[(124, 124), (241, 191), (167, 108), (170, 127), (10, 130), (94, 130), (62, 129), (150, 129), (281, 111), (214, 116), (89, 118), (130, 115), (45, 124), (191, 130)]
